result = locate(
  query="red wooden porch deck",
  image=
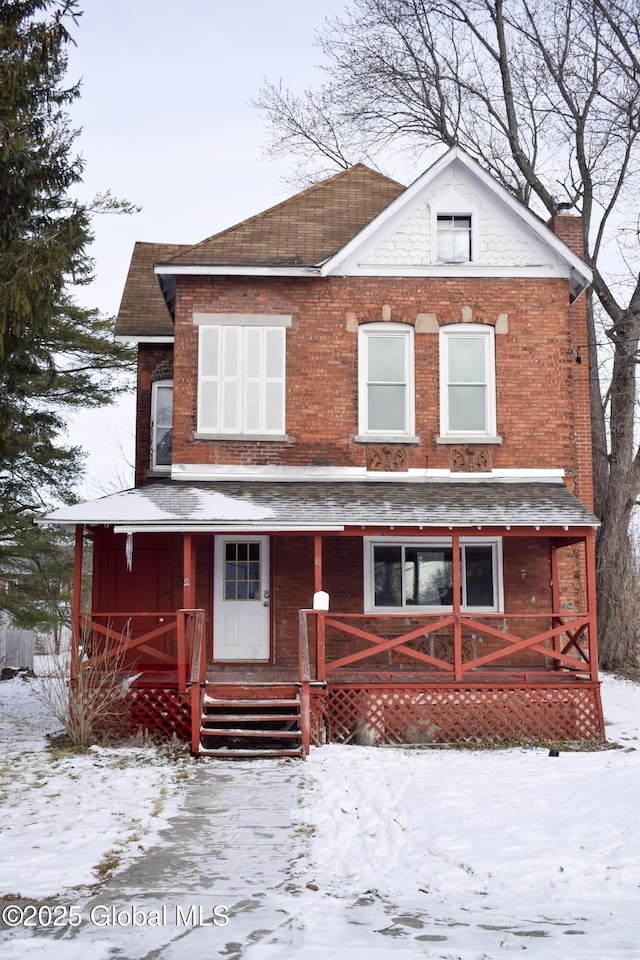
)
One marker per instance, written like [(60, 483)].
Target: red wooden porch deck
[(420, 679)]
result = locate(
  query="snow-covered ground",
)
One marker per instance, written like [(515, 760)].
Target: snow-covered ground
[(62, 818), (441, 854)]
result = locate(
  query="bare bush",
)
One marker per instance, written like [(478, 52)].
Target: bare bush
[(93, 702)]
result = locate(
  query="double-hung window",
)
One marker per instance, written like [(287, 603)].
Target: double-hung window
[(241, 377), (418, 575), (467, 381), (453, 237), (161, 425), (386, 380)]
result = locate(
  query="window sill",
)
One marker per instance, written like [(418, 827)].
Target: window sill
[(468, 438), (385, 438), (244, 437)]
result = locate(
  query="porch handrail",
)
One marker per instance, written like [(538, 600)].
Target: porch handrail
[(304, 679), (572, 625), (198, 674), (188, 622)]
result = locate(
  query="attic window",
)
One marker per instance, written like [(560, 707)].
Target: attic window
[(454, 238)]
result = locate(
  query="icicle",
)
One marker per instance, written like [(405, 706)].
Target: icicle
[(129, 551)]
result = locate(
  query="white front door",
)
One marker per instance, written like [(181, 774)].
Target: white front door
[(241, 611)]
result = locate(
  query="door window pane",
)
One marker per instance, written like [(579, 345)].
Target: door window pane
[(241, 571)]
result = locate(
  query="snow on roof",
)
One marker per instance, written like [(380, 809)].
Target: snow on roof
[(330, 505)]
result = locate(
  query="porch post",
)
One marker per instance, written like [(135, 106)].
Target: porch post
[(457, 625), (76, 601), (317, 563), (555, 599), (189, 572), (188, 603), (590, 563), (317, 587)]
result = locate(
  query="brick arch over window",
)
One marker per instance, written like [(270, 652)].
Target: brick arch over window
[(163, 371)]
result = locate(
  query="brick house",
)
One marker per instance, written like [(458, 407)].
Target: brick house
[(362, 505)]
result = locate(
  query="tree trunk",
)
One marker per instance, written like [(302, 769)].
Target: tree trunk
[(599, 442), (617, 593), (616, 568)]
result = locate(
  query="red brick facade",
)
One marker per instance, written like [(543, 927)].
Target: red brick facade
[(449, 582), (542, 393)]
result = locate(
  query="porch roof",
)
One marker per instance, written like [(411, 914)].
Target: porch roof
[(330, 505)]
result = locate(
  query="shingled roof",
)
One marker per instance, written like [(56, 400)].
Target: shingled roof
[(143, 311), (304, 230), (270, 505)]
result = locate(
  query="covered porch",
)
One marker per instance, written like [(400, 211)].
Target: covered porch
[(355, 650)]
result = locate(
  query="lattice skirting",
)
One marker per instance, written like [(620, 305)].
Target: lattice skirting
[(397, 714), (161, 712), (318, 719)]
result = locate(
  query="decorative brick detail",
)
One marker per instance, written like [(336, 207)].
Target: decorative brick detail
[(164, 371), (387, 459), (470, 460)]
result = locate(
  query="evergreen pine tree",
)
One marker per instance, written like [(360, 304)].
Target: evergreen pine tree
[(54, 355)]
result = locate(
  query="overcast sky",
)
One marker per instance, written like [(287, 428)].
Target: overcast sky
[(166, 124)]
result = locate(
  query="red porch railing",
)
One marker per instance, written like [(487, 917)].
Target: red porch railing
[(104, 636), (451, 645)]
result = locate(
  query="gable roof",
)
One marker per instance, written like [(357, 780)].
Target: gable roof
[(331, 228), (304, 230), (143, 310), (455, 162)]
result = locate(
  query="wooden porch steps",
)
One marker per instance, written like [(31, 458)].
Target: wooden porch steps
[(251, 722)]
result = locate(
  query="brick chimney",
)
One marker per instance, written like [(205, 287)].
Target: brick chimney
[(568, 228)]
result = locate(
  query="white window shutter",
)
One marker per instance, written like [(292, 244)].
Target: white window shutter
[(241, 383), (209, 379), (274, 380), (231, 374), (253, 380)]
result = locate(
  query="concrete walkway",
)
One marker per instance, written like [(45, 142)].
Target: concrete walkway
[(230, 878), (219, 878)]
